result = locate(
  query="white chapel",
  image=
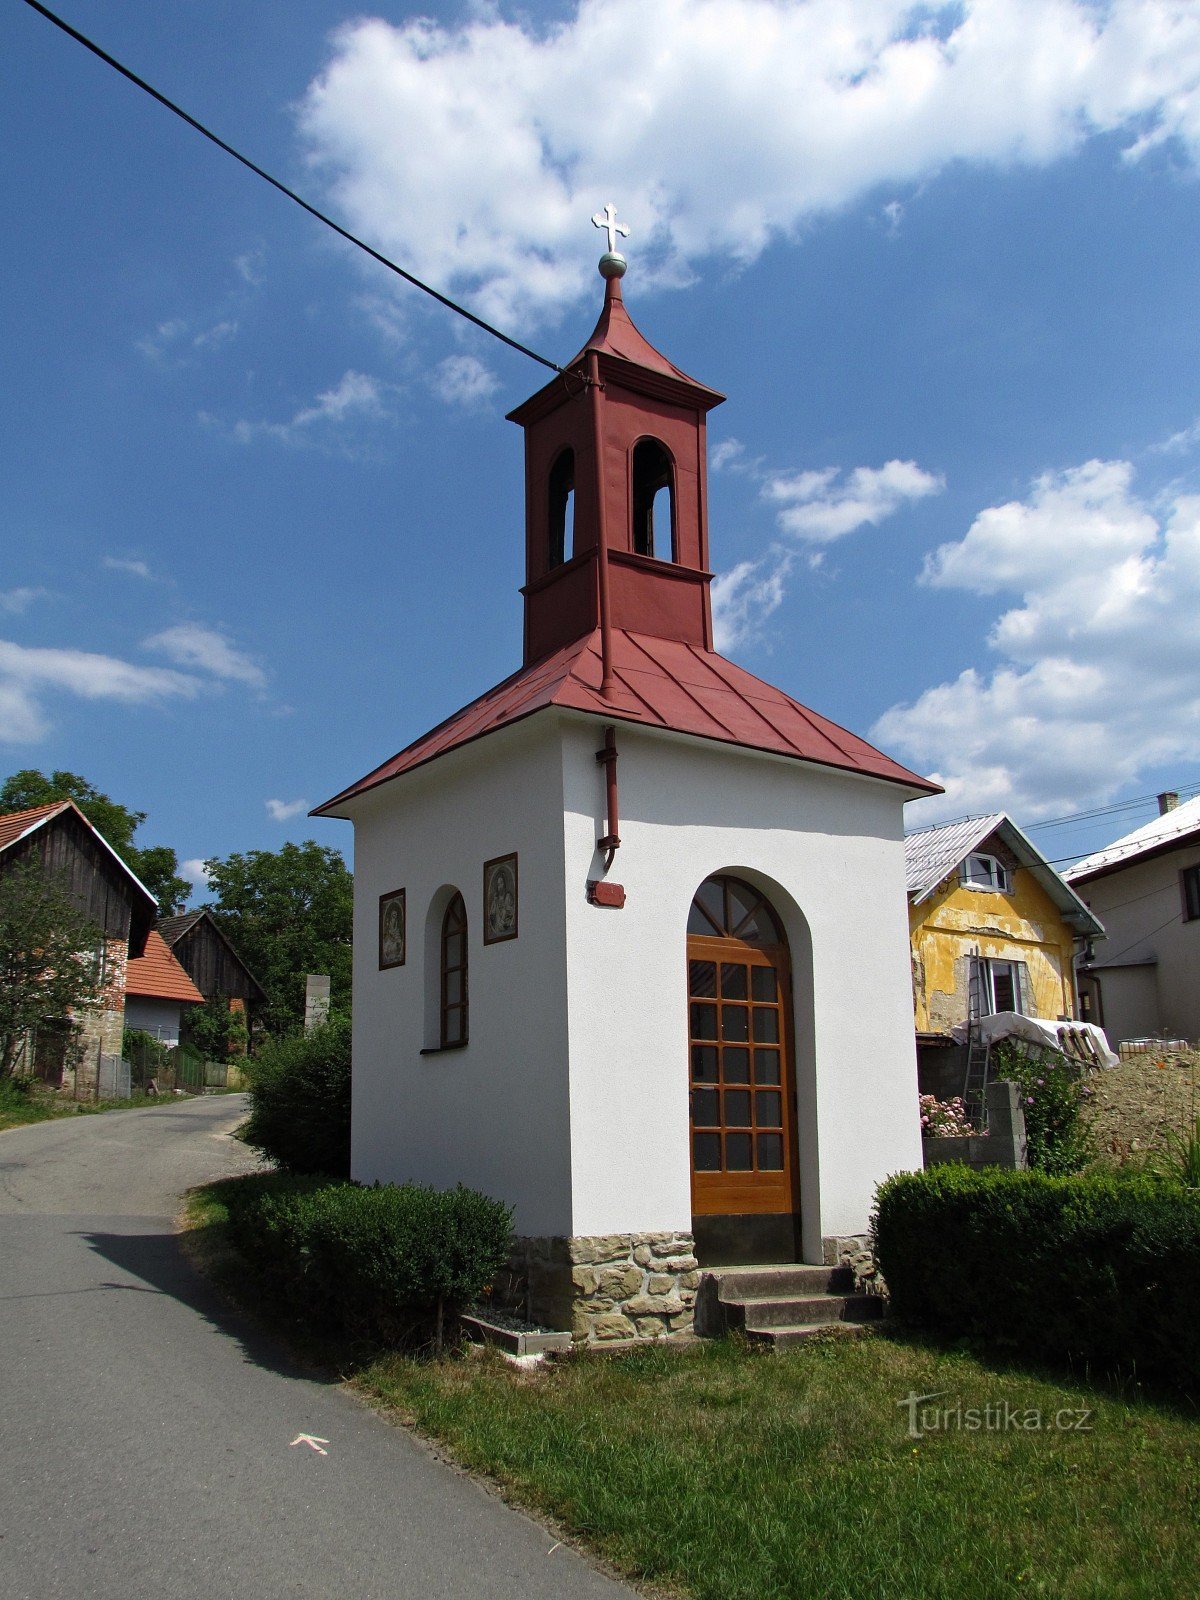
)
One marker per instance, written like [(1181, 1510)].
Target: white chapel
[(630, 939)]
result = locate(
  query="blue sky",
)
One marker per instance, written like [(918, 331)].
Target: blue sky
[(262, 512)]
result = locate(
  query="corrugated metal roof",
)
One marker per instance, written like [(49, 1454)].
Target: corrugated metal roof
[(660, 683), (1163, 832), (932, 854), (157, 975)]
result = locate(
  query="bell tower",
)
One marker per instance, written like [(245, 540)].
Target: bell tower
[(616, 493)]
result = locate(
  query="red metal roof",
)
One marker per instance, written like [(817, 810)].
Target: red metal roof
[(616, 335), (660, 683), (157, 975)]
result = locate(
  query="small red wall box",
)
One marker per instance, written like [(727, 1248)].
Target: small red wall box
[(605, 894)]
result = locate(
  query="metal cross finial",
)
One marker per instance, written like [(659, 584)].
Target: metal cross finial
[(607, 219)]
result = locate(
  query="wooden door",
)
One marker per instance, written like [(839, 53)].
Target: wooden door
[(743, 1114)]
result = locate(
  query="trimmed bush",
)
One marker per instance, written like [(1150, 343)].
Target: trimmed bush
[(300, 1100), (386, 1265), (1098, 1269)]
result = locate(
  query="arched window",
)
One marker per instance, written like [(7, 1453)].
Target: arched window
[(728, 908), (562, 510), (653, 500), (454, 973)]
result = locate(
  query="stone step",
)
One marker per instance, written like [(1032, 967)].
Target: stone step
[(797, 1332), (737, 1283), (787, 1311)]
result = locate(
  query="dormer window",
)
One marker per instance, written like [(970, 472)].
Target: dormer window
[(562, 510), (653, 500), (985, 872)]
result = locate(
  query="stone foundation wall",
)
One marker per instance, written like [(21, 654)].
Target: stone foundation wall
[(615, 1286), (99, 1029), (854, 1251)]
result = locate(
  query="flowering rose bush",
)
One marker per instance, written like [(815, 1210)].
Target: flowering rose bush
[(1051, 1095), (945, 1119)]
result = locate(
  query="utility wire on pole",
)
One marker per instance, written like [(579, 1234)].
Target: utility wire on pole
[(221, 144)]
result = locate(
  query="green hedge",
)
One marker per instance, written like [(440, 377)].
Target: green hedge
[(1101, 1269), (300, 1100), (387, 1265)]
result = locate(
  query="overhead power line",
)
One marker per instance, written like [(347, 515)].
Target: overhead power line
[(313, 211)]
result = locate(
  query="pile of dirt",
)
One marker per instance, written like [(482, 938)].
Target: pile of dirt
[(1139, 1104)]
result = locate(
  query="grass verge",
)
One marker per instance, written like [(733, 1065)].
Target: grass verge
[(733, 1474), (19, 1105)]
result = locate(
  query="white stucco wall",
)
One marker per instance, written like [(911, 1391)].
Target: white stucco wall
[(1141, 908), (571, 1099), (492, 1115), (828, 848)]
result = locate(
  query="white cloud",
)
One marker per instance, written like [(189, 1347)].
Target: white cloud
[(190, 644), (715, 125), (819, 507), (219, 333), (745, 597), (135, 569), (250, 266), (725, 455), (156, 346), (17, 601), (353, 397), (1098, 676), (193, 870), (1180, 443), (28, 674), (463, 381), (285, 810)]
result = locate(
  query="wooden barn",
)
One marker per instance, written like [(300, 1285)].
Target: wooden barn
[(106, 890), (210, 961)]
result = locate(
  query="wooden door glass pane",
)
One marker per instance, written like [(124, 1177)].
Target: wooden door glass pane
[(704, 1022), (735, 1023), (737, 1108), (736, 1064), (770, 1152), (706, 1152), (766, 1066), (739, 1152), (706, 1108), (704, 1063), (742, 902), (733, 981), (764, 985), (766, 1025), (768, 1108), (702, 979)]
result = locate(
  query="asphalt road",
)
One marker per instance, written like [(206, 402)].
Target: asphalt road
[(145, 1430)]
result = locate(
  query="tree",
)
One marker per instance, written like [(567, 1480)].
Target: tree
[(157, 866), (288, 912), (49, 963)]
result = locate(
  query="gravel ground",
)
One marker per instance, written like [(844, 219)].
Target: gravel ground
[(1136, 1106)]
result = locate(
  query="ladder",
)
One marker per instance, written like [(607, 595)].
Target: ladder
[(975, 1083), (976, 1080)]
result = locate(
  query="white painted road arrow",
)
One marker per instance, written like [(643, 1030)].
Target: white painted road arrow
[(310, 1439)]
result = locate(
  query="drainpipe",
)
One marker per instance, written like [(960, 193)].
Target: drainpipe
[(607, 758)]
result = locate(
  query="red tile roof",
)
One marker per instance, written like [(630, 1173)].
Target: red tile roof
[(157, 975), (14, 824), (660, 683)]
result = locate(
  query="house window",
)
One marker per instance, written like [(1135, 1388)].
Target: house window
[(985, 872), (562, 510), (1189, 883), (653, 500), (995, 986), (454, 974)]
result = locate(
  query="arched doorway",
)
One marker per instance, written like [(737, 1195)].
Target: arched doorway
[(743, 1111)]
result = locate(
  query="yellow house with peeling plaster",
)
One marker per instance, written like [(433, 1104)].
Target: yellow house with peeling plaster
[(992, 927)]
